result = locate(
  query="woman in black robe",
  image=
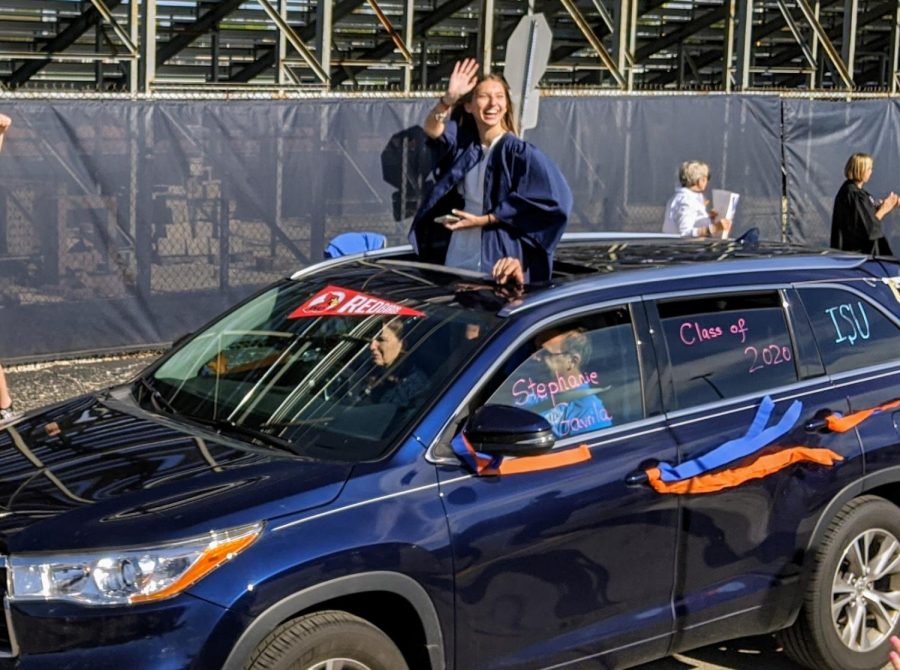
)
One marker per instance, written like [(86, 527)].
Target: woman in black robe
[(856, 221)]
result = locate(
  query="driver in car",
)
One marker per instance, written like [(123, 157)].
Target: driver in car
[(393, 382)]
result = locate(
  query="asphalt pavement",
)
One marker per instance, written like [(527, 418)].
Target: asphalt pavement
[(37, 384)]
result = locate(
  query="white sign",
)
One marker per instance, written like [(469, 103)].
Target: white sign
[(527, 55)]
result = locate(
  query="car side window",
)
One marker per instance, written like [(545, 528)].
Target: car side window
[(581, 375), (850, 332), (725, 346)]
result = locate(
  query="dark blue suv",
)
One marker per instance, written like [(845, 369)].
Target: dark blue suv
[(380, 464)]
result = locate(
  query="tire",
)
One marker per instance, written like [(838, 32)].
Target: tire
[(331, 639), (845, 622)]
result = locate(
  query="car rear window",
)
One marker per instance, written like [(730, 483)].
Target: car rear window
[(849, 330), (725, 346)]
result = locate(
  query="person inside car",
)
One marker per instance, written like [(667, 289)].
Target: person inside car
[(570, 392), (686, 212), (498, 204), (394, 381), (856, 219)]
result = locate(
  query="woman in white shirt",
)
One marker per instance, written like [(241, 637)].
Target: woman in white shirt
[(686, 213)]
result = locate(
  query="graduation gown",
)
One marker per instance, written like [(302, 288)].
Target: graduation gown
[(854, 226), (523, 189)]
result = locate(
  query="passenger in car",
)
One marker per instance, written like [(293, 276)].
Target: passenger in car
[(857, 216), (498, 205), (393, 382), (570, 392), (686, 212)]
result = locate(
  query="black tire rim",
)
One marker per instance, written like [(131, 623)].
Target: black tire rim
[(865, 592)]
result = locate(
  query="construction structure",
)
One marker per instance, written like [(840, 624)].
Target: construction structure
[(150, 46)]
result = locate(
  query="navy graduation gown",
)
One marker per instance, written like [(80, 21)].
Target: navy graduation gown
[(523, 189)]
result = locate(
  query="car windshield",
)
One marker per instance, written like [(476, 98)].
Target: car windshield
[(326, 371)]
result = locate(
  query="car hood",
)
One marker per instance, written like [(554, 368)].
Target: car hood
[(95, 472)]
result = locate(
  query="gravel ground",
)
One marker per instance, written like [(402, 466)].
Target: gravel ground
[(38, 384)]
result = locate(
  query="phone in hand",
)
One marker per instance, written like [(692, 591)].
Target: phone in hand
[(447, 218)]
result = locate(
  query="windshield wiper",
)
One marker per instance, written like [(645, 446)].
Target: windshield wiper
[(228, 426), (157, 399)]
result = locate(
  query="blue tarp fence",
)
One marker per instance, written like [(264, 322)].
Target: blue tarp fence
[(127, 223)]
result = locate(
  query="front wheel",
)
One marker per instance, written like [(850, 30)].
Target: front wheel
[(852, 603), (330, 640)]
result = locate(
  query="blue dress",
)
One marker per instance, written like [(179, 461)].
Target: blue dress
[(523, 189)]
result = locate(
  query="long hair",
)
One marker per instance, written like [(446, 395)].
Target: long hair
[(508, 122)]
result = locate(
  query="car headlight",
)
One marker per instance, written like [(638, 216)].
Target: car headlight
[(128, 575)]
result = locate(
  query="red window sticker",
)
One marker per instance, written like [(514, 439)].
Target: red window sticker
[(337, 301)]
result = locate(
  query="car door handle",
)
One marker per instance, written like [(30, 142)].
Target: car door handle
[(636, 478), (817, 426)]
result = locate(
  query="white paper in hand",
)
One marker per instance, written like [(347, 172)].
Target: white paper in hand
[(725, 203)]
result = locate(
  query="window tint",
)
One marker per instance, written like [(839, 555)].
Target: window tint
[(581, 375), (851, 333), (725, 346)]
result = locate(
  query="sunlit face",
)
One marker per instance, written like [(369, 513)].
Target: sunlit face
[(488, 104), (702, 183), (867, 172), (553, 354), (385, 348)]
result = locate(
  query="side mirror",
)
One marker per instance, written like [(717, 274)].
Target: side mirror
[(502, 430)]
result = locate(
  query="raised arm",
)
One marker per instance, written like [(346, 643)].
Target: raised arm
[(462, 80)]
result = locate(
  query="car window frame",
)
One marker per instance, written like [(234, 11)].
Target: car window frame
[(478, 393), (843, 285), (667, 381)]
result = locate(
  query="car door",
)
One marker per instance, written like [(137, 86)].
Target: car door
[(557, 565), (858, 339), (741, 547)]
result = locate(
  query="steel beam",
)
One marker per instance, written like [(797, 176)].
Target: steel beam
[(409, 16), (728, 51), (837, 62), (894, 65), (134, 30), (848, 41), (295, 40), (324, 28), (421, 24), (795, 31), (486, 36), (191, 32), (624, 36), (594, 41), (389, 27), (696, 25), (268, 58), (281, 47), (89, 18), (119, 30), (148, 45)]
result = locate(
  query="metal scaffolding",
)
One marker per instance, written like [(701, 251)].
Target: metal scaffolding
[(147, 46)]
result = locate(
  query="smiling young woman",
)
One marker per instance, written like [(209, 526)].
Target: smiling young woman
[(509, 202)]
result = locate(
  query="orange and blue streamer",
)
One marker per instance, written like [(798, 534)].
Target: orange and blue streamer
[(485, 465), (708, 474), (756, 437), (755, 467), (841, 424)]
